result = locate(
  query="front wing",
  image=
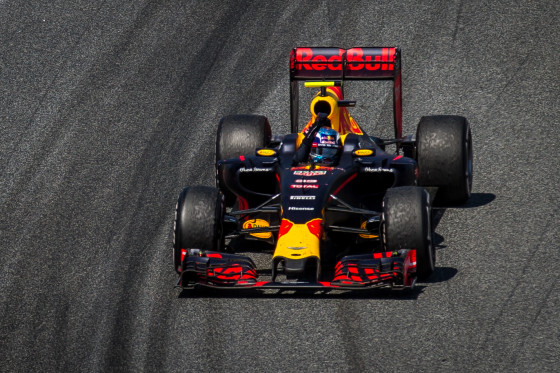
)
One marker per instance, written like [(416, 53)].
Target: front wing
[(392, 269)]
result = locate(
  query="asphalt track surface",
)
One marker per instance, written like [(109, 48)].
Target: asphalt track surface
[(109, 108)]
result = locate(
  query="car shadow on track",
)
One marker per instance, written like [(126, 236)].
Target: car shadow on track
[(476, 200), (411, 294), (443, 274), (479, 199)]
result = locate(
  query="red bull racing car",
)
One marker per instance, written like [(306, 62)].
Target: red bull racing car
[(333, 208)]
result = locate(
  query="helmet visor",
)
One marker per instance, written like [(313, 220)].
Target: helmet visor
[(327, 152)]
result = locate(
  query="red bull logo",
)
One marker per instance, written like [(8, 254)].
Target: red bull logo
[(332, 59), (258, 223)]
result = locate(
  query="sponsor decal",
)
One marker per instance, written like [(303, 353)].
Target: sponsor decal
[(332, 58), (308, 181), (363, 226), (356, 55), (363, 152), (378, 169), (304, 186), (258, 223), (303, 197), (256, 169), (306, 55), (301, 208), (310, 173), (315, 168), (266, 152)]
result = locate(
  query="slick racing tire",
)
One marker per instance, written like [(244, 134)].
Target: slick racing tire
[(198, 221), (445, 157), (407, 225), (240, 135)]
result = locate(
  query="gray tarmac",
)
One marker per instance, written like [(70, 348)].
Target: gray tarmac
[(108, 109)]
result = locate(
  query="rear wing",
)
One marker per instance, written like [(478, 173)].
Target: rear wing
[(335, 64)]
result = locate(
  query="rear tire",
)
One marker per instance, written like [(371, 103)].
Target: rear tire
[(407, 225), (445, 157), (240, 135), (198, 221)]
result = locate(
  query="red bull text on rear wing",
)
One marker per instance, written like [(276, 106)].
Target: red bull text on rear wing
[(321, 63)]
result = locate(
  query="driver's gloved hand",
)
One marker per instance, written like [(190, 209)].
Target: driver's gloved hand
[(322, 120)]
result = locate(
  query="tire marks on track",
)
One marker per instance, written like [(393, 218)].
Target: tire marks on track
[(506, 353)]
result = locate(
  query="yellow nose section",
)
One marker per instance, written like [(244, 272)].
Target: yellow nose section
[(299, 241)]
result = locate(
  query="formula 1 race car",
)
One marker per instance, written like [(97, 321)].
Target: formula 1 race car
[(331, 205)]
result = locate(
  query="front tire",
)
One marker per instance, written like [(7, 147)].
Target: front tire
[(198, 221), (407, 225), (445, 157)]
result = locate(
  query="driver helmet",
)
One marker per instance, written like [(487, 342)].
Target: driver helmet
[(326, 147)]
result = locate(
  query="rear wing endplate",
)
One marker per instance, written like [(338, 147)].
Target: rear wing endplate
[(320, 63)]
